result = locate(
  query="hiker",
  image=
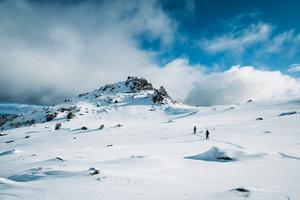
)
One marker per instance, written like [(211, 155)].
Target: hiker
[(195, 129), (207, 134)]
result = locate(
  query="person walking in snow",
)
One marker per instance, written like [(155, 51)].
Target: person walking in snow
[(207, 134), (195, 129)]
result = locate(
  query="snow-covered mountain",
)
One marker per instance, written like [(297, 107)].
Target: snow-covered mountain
[(133, 91), (131, 141)]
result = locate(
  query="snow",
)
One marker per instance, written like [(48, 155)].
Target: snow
[(14, 108), (149, 151), (225, 155)]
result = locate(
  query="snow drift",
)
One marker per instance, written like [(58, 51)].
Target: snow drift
[(218, 154)]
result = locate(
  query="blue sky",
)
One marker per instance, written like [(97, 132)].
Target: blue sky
[(204, 52), (203, 22)]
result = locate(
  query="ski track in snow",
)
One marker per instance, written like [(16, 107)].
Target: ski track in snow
[(187, 115), (214, 140), (284, 155), (226, 142)]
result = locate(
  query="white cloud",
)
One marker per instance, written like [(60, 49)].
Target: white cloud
[(238, 41), (286, 42), (294, 68), (240, 84), (192, 84), (48, 50), (178, 77), (258, 36), (278, 42)]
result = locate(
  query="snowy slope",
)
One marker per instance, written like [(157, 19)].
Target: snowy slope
[(146, 149), (14, 108)]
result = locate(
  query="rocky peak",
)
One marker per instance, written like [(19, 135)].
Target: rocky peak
[(113, 92), (131, 85), (161, 96), (136, 84)]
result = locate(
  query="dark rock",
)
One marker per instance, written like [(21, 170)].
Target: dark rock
[(109, 145), (9, 141), (58, 158), (136, 84), (16, 124), (3, 120), (27, 136), (287, 113), (101, 127), (259, 119), (104, 88), (83, 95), (6, 118), (94, 171), (160, 95), (30, 122), (249, 101), (241, 189), (50, 117), (69, 109), (70, 115), (84, 128), (226, 158), (57, 126)]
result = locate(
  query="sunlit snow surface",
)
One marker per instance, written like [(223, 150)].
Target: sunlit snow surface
[(150, 152)]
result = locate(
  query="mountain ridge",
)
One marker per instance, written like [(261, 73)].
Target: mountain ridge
[(133, 91)]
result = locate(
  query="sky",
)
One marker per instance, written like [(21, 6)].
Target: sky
[(205, 52)]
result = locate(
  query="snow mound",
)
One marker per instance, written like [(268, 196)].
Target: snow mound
[(9, 183), (217, 154), (39, 173), (9, 152), (250, 194)]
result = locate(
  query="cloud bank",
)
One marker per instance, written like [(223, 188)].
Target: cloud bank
[(240, 84), (50, 51)]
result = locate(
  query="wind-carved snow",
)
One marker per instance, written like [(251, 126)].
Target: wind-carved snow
[(129, 140), (225, 155), (10, 152)]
